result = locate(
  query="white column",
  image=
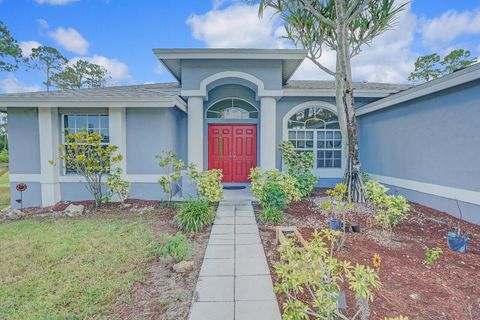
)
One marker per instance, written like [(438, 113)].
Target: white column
[(195, 131), (118, 133), (49, 143), (268, 148)]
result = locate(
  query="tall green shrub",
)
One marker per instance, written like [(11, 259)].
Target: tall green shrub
[(300, 166), (390, 209), (172, 167), (209, 183), (274, 191)]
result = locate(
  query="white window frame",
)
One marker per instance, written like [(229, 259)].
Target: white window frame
[(321, 172), (62, 116), (232, 98)]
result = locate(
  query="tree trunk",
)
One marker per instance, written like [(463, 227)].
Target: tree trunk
[(346, 110)]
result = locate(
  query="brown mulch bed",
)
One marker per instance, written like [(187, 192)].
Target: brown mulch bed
[(444, 290), (164, 294)]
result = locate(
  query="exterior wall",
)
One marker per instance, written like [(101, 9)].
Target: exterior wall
[(268, 71), (433, 139), (150, 131), (23, 141), (32, 197), (24, 151), (74, 191)]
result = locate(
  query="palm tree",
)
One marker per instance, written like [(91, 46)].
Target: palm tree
[(343, 26)]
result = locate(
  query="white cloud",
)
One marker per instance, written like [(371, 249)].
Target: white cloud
[(449, 26), (388, 59), (27, 47), (118, 70), (42, 23), (55, 2), (70, 39), (236, 26), (12, 85)]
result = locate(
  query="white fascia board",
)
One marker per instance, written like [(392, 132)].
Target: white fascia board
[(271, 54), (63, 103), (446, 82)]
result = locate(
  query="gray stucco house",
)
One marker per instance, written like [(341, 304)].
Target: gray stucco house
[(232, 107)]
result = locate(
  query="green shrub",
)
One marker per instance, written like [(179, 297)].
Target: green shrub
[(432, 255), (117, 186), (317, 272), (4, 156), (175, 246), (172, 167), (272, 214), (390, 209), (299, 166), (209, 183), (195, 215), (273, 188)]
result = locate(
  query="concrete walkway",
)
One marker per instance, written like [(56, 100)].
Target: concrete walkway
[(234, 281)]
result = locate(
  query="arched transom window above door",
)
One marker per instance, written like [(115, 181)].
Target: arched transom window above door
[(235, 109), (316, 129)]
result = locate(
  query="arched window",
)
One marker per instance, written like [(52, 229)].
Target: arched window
[(232, 109), (317, 130)]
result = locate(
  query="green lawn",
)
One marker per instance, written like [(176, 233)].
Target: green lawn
[(4, 190), (70, 269)]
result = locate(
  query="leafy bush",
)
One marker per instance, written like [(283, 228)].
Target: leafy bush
[(273, 188), (341, 204), (173, 167), (318, 273), (432, 255), (272, 214), (175, 246), (194, 215), (391, 209), (4, 156), (84, 153), (299, 166), (209, 183), (117, 186)]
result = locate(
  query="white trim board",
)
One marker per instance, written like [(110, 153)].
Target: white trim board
[(463, 195), (454, 79)]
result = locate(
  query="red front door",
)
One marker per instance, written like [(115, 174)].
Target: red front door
[(233, 149)]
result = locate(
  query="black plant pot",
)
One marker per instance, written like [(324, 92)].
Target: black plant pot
[(347, 227), (355, 228)]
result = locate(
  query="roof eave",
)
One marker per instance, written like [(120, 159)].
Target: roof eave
[(167, 102), (171, 58), (451, 80)]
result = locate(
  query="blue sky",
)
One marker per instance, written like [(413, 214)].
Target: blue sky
[(120, 34)]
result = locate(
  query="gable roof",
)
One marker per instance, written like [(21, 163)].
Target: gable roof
[(327, 88), (157, 94), (172, 58), (451, 80)]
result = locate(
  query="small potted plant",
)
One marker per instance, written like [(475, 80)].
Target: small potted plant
[(455, 239), (335, 223)]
